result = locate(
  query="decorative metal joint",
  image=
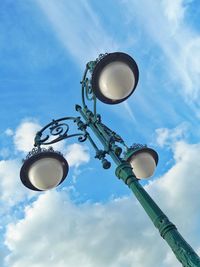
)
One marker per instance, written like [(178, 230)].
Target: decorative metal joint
[(117, 150), (124, 171), (163, 224), (91, 65), (98, 118), (89, 113), (100, 154), (81, 126), (78, 107), (37, 140)]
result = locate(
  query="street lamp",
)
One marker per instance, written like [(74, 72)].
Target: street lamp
[(114, 78), (111, 78), (43, 169), (142, 159)]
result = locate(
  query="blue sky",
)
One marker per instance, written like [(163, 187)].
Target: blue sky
[(92, 219)]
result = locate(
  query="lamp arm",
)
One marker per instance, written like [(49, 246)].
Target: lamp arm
[(59, 129)]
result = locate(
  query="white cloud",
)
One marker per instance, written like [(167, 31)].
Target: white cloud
[(174, 11), (190, 67), (5, 152), (78, 28), (129, 111), (9, 132), (77, 154), (87, 235), (117, 233), (11, 189), (165, 136), (25, 134)]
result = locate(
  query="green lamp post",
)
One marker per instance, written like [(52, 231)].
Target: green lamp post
[(111, 78)]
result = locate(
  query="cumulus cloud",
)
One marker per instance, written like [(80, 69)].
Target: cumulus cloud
[(11, 189), (9, 132), (166, 136), (77, 154), (24, 135), (88, 235), (4, 152), (116, 233)]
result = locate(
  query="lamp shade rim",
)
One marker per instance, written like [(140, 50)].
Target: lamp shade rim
[(132, 152), (109, 58), (43, 154)]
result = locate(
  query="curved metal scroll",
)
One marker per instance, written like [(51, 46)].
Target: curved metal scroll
[(56, 131), (87, 92)]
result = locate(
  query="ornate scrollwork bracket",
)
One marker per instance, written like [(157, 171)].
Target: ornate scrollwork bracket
[(56, 131)]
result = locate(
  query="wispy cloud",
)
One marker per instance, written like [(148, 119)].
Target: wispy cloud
[(129, 111), (78, 28), (165, 136), (178, 41)]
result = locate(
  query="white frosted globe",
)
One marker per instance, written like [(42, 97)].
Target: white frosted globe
[(143, 165), (45, 173), (116, 80)]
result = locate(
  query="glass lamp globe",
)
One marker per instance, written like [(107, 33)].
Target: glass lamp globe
[(44, 170), (115, 78), (143, 161)]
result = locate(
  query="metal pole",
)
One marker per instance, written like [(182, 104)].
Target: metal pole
[(182, 250)]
